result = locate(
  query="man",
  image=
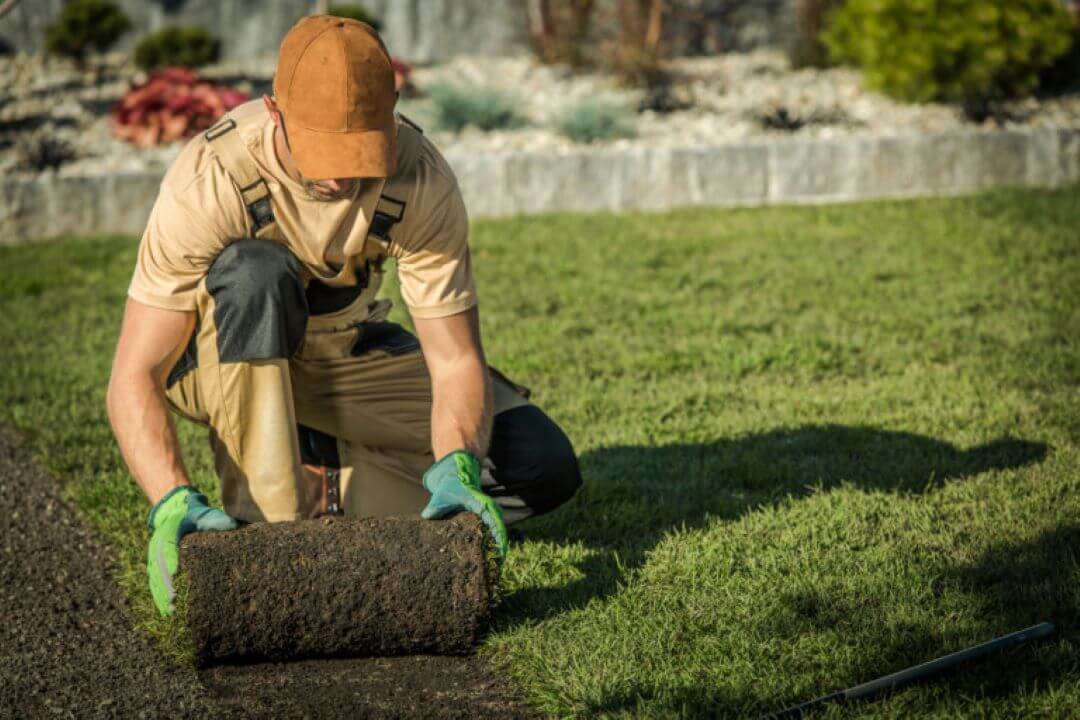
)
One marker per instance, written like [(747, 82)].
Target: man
[(252, 310)]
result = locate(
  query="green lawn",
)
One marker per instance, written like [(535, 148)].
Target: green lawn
[(819, 444)]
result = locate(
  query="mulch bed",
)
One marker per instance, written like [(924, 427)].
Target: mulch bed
[(67, 647)]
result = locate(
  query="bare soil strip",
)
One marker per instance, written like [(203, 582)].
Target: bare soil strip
[(67, 647)]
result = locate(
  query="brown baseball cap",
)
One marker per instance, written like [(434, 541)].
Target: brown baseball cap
[(334, 85)]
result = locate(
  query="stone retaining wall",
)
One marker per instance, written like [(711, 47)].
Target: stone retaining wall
[(762, 172)]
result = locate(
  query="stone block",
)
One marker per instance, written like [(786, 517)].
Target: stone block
[(580, 180), (1043, 166), (22, 209), (482, 179), (127, 200), (76, 203), (994, 159), (812, 170), (1068, 156), (735, 174), (940, 159), (643, 179), (890, 166)]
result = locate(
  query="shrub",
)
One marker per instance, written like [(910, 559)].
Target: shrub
[(355, 12), (457, 107), (638, 54), (1064, 74), (172, 104), (176, 47), (624, 37), (787, 119), (85, 25), (973, 51), (593, 120), (43, 151), (560, 30)]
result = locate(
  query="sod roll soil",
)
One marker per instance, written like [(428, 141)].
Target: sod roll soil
[(337, 587)]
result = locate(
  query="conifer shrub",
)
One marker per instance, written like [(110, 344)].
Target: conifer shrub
[(177, 47), (83, 26), (595, 120), (968, 51), (456, 107)]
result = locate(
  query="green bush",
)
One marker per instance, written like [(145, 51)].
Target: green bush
[(456, 107), (950, 50), (355, 12), (593, 120), (185, 46), (85, 25)]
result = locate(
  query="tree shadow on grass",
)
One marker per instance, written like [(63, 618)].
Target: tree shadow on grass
[(1012, 586), (1019, 584), (633, 495)]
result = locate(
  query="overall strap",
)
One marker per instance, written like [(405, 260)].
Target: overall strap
[(227, 144), (388, 213), (389, 210)]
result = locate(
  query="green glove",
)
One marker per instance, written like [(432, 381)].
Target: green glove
[(183, 510), (454, 484)]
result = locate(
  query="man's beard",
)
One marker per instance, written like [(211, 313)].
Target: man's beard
[(317, 193)]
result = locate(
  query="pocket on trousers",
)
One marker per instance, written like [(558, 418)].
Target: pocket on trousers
[(327, 345)]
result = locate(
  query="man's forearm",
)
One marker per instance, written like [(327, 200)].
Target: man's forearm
[(462, 410), (146, 435)]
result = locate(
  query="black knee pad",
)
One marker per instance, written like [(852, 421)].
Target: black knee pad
[(533, 459), (260, 309)]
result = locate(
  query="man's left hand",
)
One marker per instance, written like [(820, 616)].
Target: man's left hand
[(454, 484)]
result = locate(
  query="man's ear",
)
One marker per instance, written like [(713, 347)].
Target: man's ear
[(272, 108)]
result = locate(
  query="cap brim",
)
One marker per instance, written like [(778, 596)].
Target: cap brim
[(333, 155)]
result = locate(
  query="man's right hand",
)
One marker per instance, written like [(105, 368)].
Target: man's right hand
[(183, 510)]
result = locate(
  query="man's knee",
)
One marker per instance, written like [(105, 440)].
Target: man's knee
[(533, 458), (260, 310)]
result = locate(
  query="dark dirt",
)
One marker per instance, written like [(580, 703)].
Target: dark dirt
[(67, 647), (337, 587), (424, 686)]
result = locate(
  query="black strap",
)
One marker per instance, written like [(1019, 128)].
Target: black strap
[(262, 214), (383, 220)]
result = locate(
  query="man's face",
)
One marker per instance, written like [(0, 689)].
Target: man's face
[(321, 190), (330, 190)]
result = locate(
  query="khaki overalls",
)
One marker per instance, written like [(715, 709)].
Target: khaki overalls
[(353, 376)]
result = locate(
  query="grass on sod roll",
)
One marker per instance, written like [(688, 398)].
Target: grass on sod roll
[(820, 444)]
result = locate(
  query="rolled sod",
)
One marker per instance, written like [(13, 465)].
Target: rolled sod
[(337, 587)]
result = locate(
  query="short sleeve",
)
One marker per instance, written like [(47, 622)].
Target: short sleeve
[(434, 266), (175, 253)]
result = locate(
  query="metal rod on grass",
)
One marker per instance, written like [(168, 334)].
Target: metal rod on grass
[(918, 672)]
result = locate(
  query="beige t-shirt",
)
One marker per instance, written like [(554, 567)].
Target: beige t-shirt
[(199, 211)]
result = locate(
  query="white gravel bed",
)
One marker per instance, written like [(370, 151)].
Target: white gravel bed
[(726, 97)]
